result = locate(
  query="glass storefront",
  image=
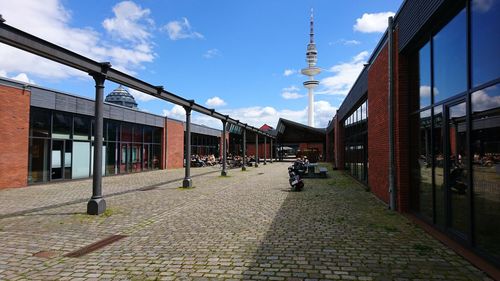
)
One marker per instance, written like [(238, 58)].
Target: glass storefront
[(455, 127), (61, 146), (356, 143), (204, 145)]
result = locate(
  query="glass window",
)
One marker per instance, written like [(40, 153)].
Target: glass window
[(111, 159), (486, 168), (137, 133), (157, 134), (81, 129), (126, 132), (424, 56), (423, 169), (38, 160), (457, 169), (156, 157), (148, 134), (81, 160), (450, 71), (40, 123), (485, 33), (437, 144), (61, 128), (113, 131)]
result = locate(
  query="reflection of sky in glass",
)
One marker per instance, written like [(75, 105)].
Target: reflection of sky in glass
[(486, 99), (425, 75), (485, 41), (457, 110), (450, 76)]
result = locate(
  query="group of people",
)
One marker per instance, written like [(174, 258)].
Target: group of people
[(211, 160)]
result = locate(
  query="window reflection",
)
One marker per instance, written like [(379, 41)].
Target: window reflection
[(486, 167), (423, 169), (485, 33), (438, 171), (424, 56), (450, 71)]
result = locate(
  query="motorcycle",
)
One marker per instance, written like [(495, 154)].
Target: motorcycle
[(295, 172)]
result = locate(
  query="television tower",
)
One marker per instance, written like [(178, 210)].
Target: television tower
[(311, 70)]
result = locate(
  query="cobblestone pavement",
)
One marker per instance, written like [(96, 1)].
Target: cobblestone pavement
[(245, 226)]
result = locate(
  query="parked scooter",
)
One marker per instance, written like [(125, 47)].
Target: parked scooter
[(295, 173)]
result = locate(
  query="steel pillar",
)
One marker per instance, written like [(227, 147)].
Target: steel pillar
[(271, 158), (244, 166), (97, 204), (265, 150), (256, 150), (224, 149), (187, 182)]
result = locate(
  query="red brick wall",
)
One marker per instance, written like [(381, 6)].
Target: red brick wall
[(251, 149), (378, 131), (175, 144), (14, 143)]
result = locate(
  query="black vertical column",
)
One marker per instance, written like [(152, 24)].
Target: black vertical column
[(256, 150), (244, 166), (224, 149), (271, 158), (187, 182), (97, 204), (265, 150)]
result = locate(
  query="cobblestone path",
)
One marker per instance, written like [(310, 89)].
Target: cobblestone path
[(245, 226)]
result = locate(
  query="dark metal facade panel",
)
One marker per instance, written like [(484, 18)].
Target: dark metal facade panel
[(355, 95), (128, 115), (412, 18), (84, 107), (116, 113), (200, 129), (65, 103), (159, 121), (42, 98), (140, 117)]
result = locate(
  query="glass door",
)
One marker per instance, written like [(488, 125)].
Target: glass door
[(456, 169), (57, 160)]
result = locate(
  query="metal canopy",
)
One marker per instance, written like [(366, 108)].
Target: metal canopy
[(32, 44)]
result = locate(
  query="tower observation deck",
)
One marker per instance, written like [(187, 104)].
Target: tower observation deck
[(311, 70)]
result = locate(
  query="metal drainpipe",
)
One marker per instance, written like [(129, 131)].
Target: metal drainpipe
[(392, 186)]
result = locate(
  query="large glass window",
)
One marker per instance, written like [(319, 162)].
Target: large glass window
[(425, 75), (38, 160), (438, 160), (40, 123), (450, 53), (81, 129), (486, 168), (356, 135), (61, 125), (485, 33), (423, 168)]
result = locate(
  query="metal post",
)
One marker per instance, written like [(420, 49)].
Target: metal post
[(224, 149), (187, 182), (256, 150), (271, 158), (392, 185), (97, 204), (265, 150), (244, 166)]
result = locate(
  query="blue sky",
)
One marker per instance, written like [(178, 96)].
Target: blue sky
[(241, 57)]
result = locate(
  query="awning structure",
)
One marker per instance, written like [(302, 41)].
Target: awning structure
[(292, 132)]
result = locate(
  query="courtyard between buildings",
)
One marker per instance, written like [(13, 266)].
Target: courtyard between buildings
[(247, 225)]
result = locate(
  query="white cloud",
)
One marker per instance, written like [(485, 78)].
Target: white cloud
[(376, 22), (181, 29), (215, 102), (140, 96), (290, 93), (482, 5), (345, 76), (22, 77), (346, 42), (258, 115), (176, 112), (289, 72), (212, 53), (130, 22), (482, 101), (50, 20), (425, 91)]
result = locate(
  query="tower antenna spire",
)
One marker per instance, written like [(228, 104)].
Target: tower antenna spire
[(311, 33)]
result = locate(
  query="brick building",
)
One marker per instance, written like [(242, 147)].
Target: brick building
[(427, 103)]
